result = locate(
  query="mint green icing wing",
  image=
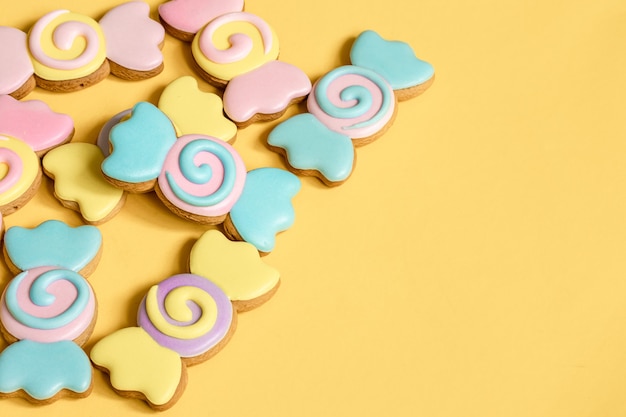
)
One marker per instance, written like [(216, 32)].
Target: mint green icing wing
[(44, 369), (394, 60), (52, 243)]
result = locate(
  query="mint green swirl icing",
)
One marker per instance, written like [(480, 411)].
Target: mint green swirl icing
[(359, 93), (202, 174), (39, 295)]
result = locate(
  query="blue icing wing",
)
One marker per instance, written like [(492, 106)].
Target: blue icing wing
[(311, 145), (52, 243), (394, 60), (264, 207), (140, 145), (44, 369)]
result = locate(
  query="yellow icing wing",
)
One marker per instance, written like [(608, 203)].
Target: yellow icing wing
[(137, 364), (79, 183), (195, 112), (235, 267)]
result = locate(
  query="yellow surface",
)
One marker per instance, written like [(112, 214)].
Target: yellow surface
[(473, 265)]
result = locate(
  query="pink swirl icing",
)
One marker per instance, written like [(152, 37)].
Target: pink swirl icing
[(64, 36), (202, 175), (240, 44), (64, 294)]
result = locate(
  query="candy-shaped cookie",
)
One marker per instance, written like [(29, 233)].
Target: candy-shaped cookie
[(356, 103), (67, 51), (182, 321), (48, 311)]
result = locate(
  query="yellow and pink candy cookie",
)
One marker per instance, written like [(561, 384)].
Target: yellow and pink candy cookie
[(67, 51)]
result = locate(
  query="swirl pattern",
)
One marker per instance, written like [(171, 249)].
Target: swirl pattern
[(353, 101), (233, 44), (186, 313), (47, 304), (202, 175), (66, 45)]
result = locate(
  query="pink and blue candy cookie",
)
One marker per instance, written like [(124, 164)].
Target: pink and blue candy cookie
[(48, 311)]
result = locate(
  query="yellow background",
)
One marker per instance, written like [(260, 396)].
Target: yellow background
[(473, 265)]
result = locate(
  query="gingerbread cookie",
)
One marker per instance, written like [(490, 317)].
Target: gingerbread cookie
[(18, 78), (48, 311)]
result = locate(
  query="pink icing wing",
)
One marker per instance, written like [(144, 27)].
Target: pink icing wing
[(35, 123), (15, 64), (133, 39), (191, 15), (268, 89)]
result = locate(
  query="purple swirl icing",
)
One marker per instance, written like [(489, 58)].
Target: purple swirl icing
[(188, 348)]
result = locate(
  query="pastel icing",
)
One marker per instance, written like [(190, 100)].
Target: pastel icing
[(52, 243), (268, 89), (105, 131), (194, 111), (135, 362), (47, 305), (264, 208), (14, 50), (66, 45), (202, 175), (140, 145), (233, 44), (75, 168), (394, 60), (34, 122), (236, 267), (133, 39), (353, 101), (19, 168), (310, 145), (186, 313), (44, 369), (191, 15)]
